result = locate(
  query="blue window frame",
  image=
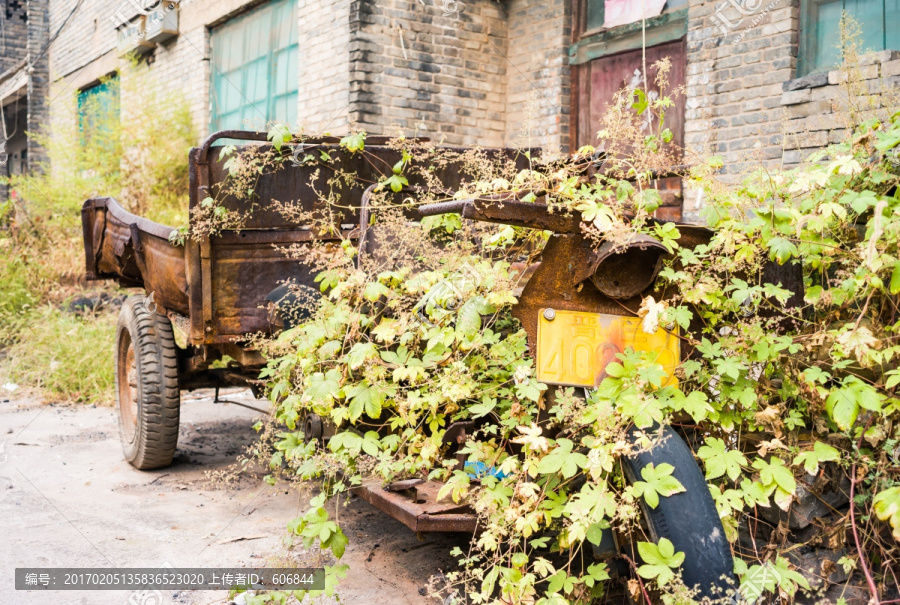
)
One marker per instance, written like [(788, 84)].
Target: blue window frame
[(255, 67), (820, 30), (98, 110)]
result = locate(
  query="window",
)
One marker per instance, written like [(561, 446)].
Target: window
[(820, 30), (98, 112), (255, 67)]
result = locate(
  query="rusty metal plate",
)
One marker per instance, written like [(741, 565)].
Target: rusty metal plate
[(574, 347), (419, 507)]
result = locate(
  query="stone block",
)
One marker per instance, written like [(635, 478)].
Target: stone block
[(792, 97), (811, 81)]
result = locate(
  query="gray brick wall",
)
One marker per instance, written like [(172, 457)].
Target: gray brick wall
[(743, 102), (13, 35), (539, 84), (86, 51), (437, 70), (734, 85), (817, 108), (39, 76), (324, 79), (470, 72), (486, 72)]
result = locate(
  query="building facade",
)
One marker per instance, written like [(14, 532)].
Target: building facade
[(759, 78), (24, 82)]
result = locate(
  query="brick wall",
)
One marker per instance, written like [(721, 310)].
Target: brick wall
[(38, 76), (744, 104), (13, 35), (817, 107), (538, 86), (474, 72), (85, 51), (438, 70), (324, 89), (736, 66)]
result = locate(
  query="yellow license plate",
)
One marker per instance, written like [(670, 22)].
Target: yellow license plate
[(574, 348)]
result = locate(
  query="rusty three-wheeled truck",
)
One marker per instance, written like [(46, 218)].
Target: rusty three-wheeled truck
[(216, 291)]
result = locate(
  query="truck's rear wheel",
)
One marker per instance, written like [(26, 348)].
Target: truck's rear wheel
[(688, 519), (147, 395)]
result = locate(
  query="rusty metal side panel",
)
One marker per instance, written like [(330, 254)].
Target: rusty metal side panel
[(193, 272), (229, 276), (164, 273), (134, 251), (244, 267)]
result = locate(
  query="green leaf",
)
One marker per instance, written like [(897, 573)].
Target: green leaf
[(680, 315), (484, 408), (324, 387), (365, 398), (354, 142), (821, 452), (895, 279), (788, 579), (333, 574), (658, 481), (594, 533), (596, 572), (639, 102), (782, 250), (338, 543), (360, 353), (278, 135), (775, 473), (887, 507), (721, 461), (561, 581), (396, 182), (375, 290), (756, 581), (346, 440), (842, 408), (371, 443), (468, 320), (844, 402), (659, 561), (562, 460), (695, 403)]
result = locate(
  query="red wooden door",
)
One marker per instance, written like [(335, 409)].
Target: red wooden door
[(599, 80)]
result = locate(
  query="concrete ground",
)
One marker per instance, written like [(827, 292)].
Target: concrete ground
[(68, 499)]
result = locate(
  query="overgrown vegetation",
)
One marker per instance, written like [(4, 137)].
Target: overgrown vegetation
[(140, 159), (782, 395)]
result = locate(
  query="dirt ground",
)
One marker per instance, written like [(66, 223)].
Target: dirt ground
[(70, 500)]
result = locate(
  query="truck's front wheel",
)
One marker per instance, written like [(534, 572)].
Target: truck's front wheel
[(147, 394)]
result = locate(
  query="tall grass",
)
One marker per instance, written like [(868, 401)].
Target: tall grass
[(137, 155)]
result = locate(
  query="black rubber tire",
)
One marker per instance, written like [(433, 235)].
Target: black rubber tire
[(688, 519), (148, 399)]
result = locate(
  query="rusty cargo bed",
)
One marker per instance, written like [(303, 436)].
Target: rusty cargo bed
[(214, 289)]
